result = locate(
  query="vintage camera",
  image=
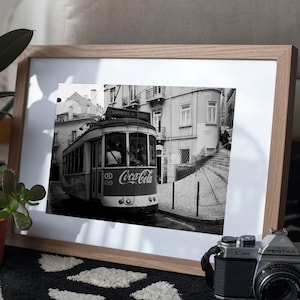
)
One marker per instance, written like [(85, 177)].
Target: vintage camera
[(247, 269)]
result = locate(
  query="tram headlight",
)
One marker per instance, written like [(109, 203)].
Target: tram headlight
[(129, 201), (152, 199)]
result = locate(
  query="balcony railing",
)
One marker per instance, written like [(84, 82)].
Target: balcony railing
[(131, 102), (154, 94)]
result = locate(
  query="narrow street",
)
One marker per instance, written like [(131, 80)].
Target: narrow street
[(194, 203), (61, 204)]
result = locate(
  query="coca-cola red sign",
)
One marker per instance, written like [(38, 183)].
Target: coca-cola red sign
[(133, 181), (133, 177)]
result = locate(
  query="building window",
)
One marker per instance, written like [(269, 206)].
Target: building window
[(157, 90), (212, 112), (73, 135), (185, 156), (185, 115), (132, 93), (62, 118), (157, 120), (112, 95)]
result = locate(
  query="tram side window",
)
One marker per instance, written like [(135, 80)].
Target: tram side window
[(66, 162), (96, 154), (76, 162), (138, 149), (73, 161), (115, 149), (152, 149), (80, 157)]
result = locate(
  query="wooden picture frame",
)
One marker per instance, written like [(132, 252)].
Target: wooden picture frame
[(245, 63)]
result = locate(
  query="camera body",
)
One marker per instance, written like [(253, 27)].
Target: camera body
[(248, 269)]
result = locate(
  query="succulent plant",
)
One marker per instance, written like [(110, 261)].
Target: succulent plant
[(14, 197)]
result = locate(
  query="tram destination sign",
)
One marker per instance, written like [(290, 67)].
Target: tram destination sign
[(113, 112)]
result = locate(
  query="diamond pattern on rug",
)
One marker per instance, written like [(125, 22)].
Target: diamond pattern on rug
[(66, 295), (159, 290), (56, 263), (23, 267), (108, 277)]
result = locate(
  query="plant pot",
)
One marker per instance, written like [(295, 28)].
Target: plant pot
[(3, 230)]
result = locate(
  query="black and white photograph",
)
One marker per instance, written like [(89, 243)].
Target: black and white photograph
[(131, 165), (148, 155)]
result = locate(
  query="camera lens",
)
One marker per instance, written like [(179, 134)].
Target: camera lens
[(278, 281)]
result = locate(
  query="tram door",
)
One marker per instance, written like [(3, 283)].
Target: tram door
[(96, 173)]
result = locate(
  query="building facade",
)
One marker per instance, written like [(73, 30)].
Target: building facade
[(187, 120), (73, 116)]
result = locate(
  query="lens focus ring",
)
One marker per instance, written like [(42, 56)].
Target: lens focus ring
[(277, 281)]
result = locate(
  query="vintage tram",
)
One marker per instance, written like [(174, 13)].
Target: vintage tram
[(114, 162)]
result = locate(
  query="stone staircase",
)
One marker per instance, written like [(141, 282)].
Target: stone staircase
[(211, 178), (218, 165)]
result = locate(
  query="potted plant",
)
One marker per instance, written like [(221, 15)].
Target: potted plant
[(13, 195)]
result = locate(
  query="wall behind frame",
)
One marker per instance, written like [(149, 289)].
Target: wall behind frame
[(157, 21)]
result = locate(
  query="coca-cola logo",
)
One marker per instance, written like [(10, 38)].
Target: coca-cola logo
[(144, 177)]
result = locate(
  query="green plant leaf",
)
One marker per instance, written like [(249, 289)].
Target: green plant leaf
[(37, 192), (13, 203), (20, 188), (32, 203), (12, 44), (22, 209), (23, 222), (4, 214), (3, 200), (6, 94), (3, 168), (8, 182)]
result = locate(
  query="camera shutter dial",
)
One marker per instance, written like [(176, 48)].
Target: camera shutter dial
[(247, 240), (228, 241)]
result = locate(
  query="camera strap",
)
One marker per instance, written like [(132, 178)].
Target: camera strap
[(206, 265)]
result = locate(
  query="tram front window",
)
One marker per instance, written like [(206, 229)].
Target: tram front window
[(138, 149), (115, 149)]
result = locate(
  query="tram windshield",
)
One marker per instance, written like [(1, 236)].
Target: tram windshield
[(141, 151), (138, 149), (115, 149)]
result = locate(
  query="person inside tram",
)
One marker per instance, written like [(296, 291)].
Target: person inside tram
[(132, 156), (113, 156), (141, 155)]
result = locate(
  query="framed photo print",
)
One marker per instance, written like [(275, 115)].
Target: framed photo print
[(150, 153)]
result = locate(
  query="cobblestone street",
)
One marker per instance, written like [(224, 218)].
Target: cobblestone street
[(212, 178)]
